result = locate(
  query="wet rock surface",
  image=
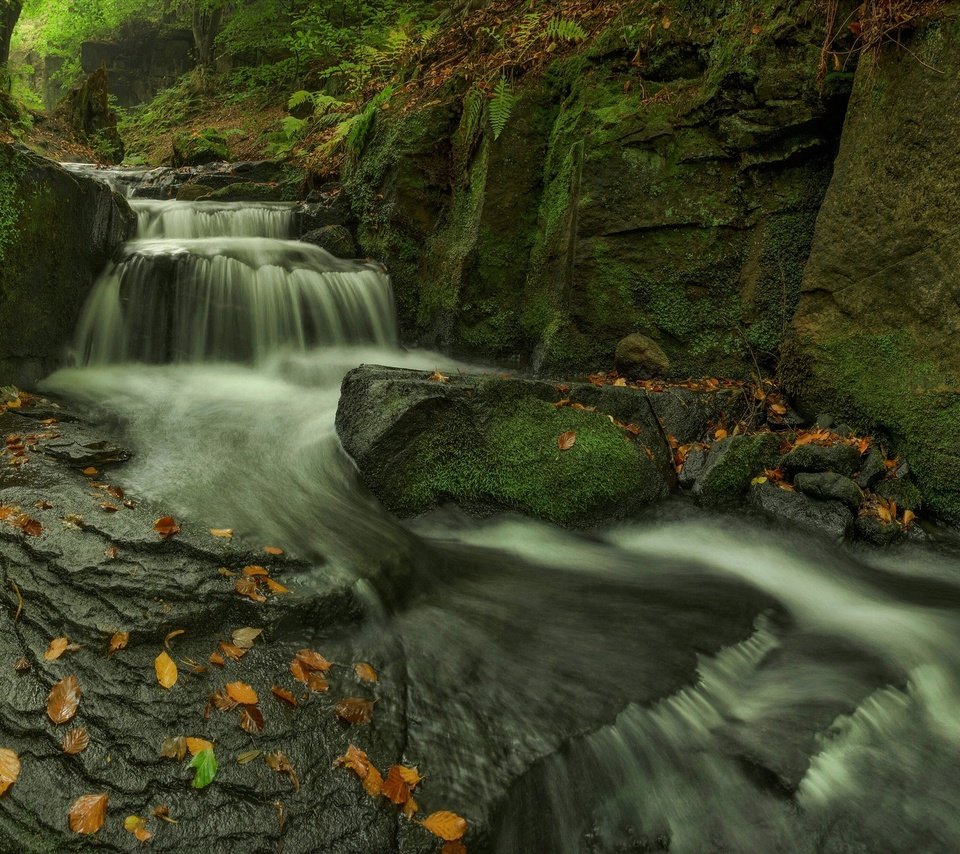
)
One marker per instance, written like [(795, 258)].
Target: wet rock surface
[(831, 519)]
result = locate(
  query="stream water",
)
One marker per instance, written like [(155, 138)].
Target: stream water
[(685, 683)]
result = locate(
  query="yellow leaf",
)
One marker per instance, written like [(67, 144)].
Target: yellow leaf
[(197, 745), (166, 669), (447, 825), (9, 768), (56, 648), (365, 672), (240, 692), (225, 533)]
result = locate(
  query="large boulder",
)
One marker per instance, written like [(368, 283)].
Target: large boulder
[(57, 231), (86, 110), (495, 444), (874, 339)]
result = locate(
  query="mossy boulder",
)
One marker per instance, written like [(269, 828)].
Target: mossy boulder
[(732, 464), (491, 444), (336, 239), (196, 149), (874, 337), (57, 232), (192, 191), (251, 191)]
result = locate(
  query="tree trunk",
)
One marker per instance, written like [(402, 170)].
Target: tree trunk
[(206, 25), (9, 13)]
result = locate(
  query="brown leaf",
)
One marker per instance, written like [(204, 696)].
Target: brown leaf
[(284, 695), (21, 665), (224, 533), (216, 658), (278, 761), (56, 648), (9, 768), (254, 571), (317, 684), (565, 441), (365, 672), (108, 507), (356, 760), (299, 671), (174, 748), (118, 641), (395, 788), (447, 825), (313, 660), (248, 587), (166, 669), (222, 701), (454, 847), (63, 700), (373, 782), (76, 740), (410, 809), (162, 811), (31, 527), (908, 517), (242, 693), (232, 651), (411, 776), (166, 527), (251, 719), (355, 710), (88, 813), (197, 745), (275, 586), (111, 552), (437, 377), (273, 550), (245, 637)]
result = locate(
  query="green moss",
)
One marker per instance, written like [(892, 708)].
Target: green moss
[(745, 458), (10, 209), (906, 494)]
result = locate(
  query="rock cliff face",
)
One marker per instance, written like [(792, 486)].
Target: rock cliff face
[(57, 230), (670, 191), (875, 333)]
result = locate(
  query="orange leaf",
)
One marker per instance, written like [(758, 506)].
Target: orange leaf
[(251, 719), (356, 760), (410, 809), (273, 550), (411, 776), (166, 527), (719, 434), (373, 782), (313, 660), (908, 517), (242, 693), (9, 768), (284, 695), (395, 788), (198, 745), (89, 471), (63, 700), (76, 740), (118, 641), (299, 671), (365, 672), (317, 684), (565, 441), (225, 533), (232, 651), (248, 587), (437, 377), (275, 586), (56, 648), (447, 825), (216, 658), (355, 710), (166, 669), (88, 813), (250, 571)]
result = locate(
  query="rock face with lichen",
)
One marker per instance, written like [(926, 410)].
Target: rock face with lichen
[(669, 191), (57, 231), (875, 333)]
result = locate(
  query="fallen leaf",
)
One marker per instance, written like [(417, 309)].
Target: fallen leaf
[(447, 825), (756, 30), (565, 441), (111, 552), (118, 641), (665, 23), (247, 756), (76, 740), (241, 693), (43, 504), (313, 660), (222, 701), (395, 788), (373, 782), (232, 651), (299, 671), (253, 571), (225, 533), (21, 665), (245, 637), (107, 507), (356, 760), (410, 809), (365, 672), (89, 471), (908, 517), (63, 700), (171, 635), (56, 648), (138, 827), (166, 527), (162, 811), (88, 813), (437, 377), (197, 745), (251, 719), (9, 768), (719, 434), (411, 776), (284, 695), (275, 586), (248, 587), (278, 761), (317, 684), (205, 764), (31, 527), (273, 550), (166, 669), (355, 710), (778, 408), (216, 658), (174, 748)]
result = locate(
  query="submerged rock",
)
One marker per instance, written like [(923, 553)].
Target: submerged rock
[(493, 444)]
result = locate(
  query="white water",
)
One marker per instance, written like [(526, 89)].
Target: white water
[(568, 693)]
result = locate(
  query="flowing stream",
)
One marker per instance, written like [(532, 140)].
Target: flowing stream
[(684, 683)]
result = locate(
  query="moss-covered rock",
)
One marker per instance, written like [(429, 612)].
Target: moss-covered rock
[(251, 191), (732, 464), (196, 149), (874, 338), (57, 231), (491, 444)]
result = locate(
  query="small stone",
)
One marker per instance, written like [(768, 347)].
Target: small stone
[(692, 467), (826, 421), (872, 469), (839, 458), (877, 532), (641, 358), (829, 486)]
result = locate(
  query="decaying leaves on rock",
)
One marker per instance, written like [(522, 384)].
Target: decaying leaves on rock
[(197, 745), (251, 719), (245, 637), (9, 768), (63, 700), (365, 672), (166, 669), (166, 527), (232, 651), (355, 710), (56, 649), (395, 788), (284, 695), (565, 441), (76, 741), (88, 813), (242, 693), (278, 762), (447, 825), (138, 827), (249, 588), (118, 641), (313, 660), (174, 748)]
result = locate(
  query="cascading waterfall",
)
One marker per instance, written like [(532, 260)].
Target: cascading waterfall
[(207, 281)]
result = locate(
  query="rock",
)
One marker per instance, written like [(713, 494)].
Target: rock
[(872, 469), (829, 486), (86, 110), (903, 491), (877, 532), (336, 239), (250, 191), (491, 444), (839, 458), (687, 415), (826, 422), (57, 231), (641, 358), (732, 464), (871, 353), (191, 192), (693, 465), (199, 148), (830, 518)]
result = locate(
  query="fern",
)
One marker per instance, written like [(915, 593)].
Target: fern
[(355, 136), (529, 29), (293, 127), (565, 30), (298, 99), (501, 106), (472, 112)]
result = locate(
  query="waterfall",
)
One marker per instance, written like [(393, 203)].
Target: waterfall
[(207, 281)]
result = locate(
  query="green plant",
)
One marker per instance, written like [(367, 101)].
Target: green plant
[(565, 30), (501, 106)]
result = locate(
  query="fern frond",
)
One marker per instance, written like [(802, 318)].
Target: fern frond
[(501, 106), (529, 29), (565, 30), (297, 99)]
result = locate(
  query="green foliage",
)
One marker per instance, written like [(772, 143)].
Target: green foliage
[(501, 106), (10, 209), (565, 30), (205, 764)]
